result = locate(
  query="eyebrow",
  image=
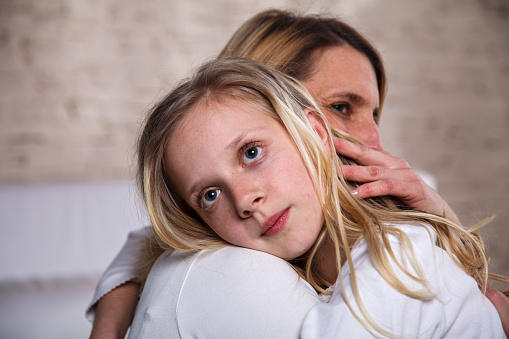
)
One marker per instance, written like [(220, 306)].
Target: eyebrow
[(352, 96), (245, 134), (234, 142)]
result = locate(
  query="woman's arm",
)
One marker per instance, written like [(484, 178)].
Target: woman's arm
[(501, 303), (384, 174), (112, 307), (115, 311)]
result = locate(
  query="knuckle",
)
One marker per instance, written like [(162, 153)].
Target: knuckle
[(408, 174), (364, 150), (387, 186), (374, 172)]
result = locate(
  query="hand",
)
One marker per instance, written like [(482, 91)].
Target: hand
[(384, 174), (115, 312), (501, 303)]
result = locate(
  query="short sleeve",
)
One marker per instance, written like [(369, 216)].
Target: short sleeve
[(122, 269)]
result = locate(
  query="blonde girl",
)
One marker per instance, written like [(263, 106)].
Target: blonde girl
[(213, 155)]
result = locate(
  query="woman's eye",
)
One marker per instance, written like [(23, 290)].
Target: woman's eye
[(376, 115), (251, 154), (343, 109), (209, 197)]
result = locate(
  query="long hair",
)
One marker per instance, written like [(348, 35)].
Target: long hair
[(346, 217), (290, 43)]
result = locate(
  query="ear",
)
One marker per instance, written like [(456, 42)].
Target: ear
[(318, 125)]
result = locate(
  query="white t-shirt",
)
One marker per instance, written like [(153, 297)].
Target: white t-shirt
[(231, 292), (240, 293), (459, 309)]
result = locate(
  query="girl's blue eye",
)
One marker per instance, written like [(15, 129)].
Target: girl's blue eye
[(251, 154), (209, 197)]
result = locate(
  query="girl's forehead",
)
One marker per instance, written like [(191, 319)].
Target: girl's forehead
[(230, 109), (215, 127), (217, 103)]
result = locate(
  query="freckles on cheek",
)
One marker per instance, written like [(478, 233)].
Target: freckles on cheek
[(225, 228)]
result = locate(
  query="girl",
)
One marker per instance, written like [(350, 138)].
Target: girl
[(240, 154)]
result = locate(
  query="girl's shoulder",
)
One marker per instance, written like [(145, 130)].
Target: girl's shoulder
[(227, 292)]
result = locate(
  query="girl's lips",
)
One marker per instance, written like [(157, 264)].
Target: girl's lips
[(276, 223)]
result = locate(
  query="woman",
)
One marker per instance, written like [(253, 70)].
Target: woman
[(263, 175), (345, 74)]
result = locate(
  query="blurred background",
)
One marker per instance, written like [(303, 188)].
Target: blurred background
[(76, 78)]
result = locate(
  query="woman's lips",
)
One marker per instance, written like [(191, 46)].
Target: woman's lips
[(276, 223)]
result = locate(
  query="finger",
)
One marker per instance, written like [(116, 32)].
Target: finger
[(366, 156), (362, 173), (374, 189), (374, 173), (403, 190)]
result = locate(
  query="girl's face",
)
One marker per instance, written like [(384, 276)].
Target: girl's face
[(238, 168), (344, 85)]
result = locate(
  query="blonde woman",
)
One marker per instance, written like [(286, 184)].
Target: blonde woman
[(345, 74), (264, 175)]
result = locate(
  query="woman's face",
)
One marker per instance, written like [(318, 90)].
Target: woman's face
[(344, 85), (240, 171)]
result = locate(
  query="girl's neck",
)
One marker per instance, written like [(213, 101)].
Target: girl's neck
[(327, 260)]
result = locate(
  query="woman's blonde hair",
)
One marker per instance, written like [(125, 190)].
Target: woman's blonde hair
[(346, 217), (291, 42)]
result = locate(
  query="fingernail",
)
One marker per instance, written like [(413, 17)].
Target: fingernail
[(355, 192)]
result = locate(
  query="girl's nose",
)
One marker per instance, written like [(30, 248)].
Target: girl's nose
[(247, 199)]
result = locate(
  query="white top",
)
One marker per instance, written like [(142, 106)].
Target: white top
[(459, 309), (235, 292), (227, 293)]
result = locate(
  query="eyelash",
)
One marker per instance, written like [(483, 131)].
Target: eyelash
[(376, 115), (249, 145), (336, 108), (242, 151), (201, 195)]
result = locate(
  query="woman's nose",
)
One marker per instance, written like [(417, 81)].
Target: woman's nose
[(370, 134)]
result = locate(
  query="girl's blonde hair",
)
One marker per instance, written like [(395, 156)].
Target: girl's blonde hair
[(346, 217)]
